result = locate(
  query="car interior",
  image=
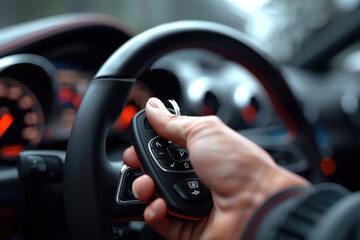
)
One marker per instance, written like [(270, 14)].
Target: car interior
[(70, 85)]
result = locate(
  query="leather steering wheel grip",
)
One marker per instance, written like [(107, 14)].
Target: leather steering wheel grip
[(89, 178)]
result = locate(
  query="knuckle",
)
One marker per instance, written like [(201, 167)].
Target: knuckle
[(213, 120), (209, 122)]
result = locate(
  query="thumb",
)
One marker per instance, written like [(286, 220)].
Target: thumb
[(169, 126)]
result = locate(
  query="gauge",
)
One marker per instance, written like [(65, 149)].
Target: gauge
[(137, 100), (151, 83), (21, 118)]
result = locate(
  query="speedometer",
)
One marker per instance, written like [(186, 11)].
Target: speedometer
[(21, 118)]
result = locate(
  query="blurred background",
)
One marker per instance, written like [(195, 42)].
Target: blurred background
[(279, 26)]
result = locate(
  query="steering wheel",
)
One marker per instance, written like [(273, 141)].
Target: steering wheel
[(91, 180)]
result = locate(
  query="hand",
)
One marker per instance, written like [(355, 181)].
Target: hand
[(239, 174)]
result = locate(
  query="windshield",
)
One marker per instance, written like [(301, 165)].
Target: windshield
[(279, 26)]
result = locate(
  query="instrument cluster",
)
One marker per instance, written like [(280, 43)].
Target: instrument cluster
[(26, 101), (33, 112)]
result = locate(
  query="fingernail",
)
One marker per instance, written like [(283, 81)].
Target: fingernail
[(155, 102)]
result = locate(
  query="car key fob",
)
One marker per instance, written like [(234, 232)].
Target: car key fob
[(169, 166)]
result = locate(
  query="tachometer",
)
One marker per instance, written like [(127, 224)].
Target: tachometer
[(21, 118)]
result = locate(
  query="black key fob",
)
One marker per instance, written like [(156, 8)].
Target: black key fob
[(168, 164)]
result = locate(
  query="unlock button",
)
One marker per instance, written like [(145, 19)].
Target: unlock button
[(178, 153)]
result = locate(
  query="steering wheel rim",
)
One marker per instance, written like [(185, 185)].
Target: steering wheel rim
[(90, 180)]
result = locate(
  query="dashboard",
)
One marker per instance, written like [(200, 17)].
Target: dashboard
[(47, 65), (69, 60)]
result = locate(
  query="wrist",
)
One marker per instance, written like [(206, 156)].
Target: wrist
[(279, 179), (274, 180), (277, 185)]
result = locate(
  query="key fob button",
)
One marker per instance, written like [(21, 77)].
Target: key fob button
[(160, 143), (192, 189), (178, 153), (160, 153), (169, 164), (185, 166)]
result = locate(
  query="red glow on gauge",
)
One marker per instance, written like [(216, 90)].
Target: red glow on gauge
[(328, 166), (249, 114), (11, 151), (76, 101), (123, 122), (66, 94), (5, 122)]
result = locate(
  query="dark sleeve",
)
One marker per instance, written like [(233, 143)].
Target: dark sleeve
[(320, 212)]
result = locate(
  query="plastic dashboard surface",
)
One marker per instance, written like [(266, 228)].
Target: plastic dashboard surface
[(73, 47)]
